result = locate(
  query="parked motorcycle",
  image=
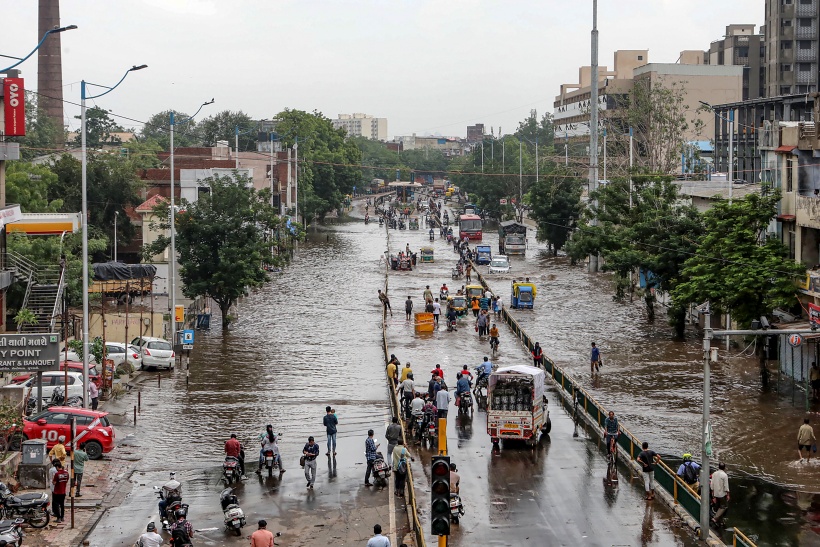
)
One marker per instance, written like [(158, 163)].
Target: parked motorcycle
[(456, 508), (31, 508), (233, 515), (230, 470), (57, 399), (381, 471), (11, 532)]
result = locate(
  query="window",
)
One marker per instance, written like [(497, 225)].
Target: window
[(804, 44), (789, 182), (640, 57), (787, 67), (786, 22), (57, 418), (804, 2), (785, 89), (804, 22), (787, 44), (804, 67)]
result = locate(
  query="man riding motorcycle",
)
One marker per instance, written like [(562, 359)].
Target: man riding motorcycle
[(452, 317), (267, 440), (443, 292), (462, 386), (484, 370), (233, 449), (171, 491)]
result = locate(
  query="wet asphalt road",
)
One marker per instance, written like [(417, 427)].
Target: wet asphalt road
[(553, 495)]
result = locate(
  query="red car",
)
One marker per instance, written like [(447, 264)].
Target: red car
[(73, 366), (94, 432)]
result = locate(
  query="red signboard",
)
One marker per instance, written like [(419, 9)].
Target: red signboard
[(15, 107), (814, 314)]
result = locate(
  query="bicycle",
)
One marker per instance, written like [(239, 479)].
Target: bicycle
[(494, 345), (612, 460)]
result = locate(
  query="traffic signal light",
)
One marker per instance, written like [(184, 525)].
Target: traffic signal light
[(440, 496)]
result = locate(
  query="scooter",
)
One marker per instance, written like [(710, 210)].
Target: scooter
[(233, 515), (271, 462), (171, 508), (456, 508), (381, 471), (451, 325), (230, 470), (11, 532), (465, 403)]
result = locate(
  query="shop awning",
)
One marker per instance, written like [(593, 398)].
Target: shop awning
[(786, 218), (784, 149), (40, 224)]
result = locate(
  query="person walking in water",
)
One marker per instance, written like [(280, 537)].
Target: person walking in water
[(385, 302), (330, 422), (595, 359), (805, 440), (408, 308)]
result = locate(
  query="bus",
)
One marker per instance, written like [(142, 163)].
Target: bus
[(469, 226)]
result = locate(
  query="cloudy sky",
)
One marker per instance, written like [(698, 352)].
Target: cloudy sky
[(428, 66)]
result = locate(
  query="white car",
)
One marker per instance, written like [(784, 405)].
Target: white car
[(155, 352), (499, 264), (55, 379), (119, 352)]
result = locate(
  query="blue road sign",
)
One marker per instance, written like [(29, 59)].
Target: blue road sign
[(188, 337)]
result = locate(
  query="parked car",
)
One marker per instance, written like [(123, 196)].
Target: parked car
[(155, 352), (119, 352), (94, 432), (73, 366), (499, 264), (55, 379)]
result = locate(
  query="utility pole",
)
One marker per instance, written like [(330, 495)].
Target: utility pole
[(731, 156), (593, 126), (566, 149), (503, 149), (482, 154), (706, 448), (296, 175), (520, 181), (605, 154), (116, 218), (630, 168)]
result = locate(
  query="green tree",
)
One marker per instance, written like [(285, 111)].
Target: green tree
[(222, 127), (532, 128), (738, 267), (98, 128), (28, 185), (556, 205), (41, 131), (112, 186), (158, 129), (223, 240), (143, 153)]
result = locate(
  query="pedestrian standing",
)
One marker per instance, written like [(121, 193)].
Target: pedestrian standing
[(51, 472), (94, 394), (648, 458), (60, 482), (442, 402), (331, 421), (594, 359), (805, 440), (58, 451), (399, 456), (385, 302), (436, 310), (474, 306), (537, 355), (378, 540), (370, 450), (468, 270), (405, 372), (80, 457), (310, 452), (720, 492), (408, 308), (393, 436), (262, 537), (814, 376)]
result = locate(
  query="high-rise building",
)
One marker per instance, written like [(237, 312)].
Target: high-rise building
[(475, 133), (50, 66), (792, 49), (362, 125), (742, 46)]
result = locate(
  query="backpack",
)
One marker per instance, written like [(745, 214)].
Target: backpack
[(690, 476), (401, 469), (180, 536)]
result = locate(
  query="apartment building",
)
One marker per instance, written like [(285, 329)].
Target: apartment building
[(475, 133), (742, 46), (362, 125), (792, 48)]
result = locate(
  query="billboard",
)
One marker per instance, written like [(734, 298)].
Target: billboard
[(29, 352), (14, 106)]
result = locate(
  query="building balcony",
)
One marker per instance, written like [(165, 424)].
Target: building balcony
[(806, 33), (804, 10), (805, 77), (806, 55)]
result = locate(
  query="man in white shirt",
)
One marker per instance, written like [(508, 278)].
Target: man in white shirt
[(378, 540), (150, 538), (436, 311), (442, 402), (720, 492)]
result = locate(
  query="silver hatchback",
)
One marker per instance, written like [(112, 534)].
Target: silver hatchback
[(155, 352)]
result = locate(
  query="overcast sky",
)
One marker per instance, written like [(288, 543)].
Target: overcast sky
[(428, 66)]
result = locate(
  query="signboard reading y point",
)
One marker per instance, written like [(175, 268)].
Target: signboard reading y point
[(29, 352)]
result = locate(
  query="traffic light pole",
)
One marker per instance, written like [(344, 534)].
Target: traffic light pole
[(442, 451)]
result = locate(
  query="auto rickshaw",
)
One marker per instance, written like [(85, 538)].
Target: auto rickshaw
[(426, 254), (413, 223), (523, 295), (457, 302), (476, 291)]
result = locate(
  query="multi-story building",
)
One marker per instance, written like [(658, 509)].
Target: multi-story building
[(475, 133), (792, 47), (449, 146), (362, 125), (742, 46)]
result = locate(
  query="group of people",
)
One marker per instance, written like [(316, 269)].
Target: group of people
[(59, 478)]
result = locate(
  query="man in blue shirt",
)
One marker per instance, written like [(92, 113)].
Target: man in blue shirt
[(595, 359), (370, 449), (484, 369), (611, 430), (462, 387)]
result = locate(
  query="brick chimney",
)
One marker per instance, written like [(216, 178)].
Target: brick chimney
[(50, 67)]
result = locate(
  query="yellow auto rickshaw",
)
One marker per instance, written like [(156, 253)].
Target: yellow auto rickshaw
[(474, 291), (458, 303), (426, 254)]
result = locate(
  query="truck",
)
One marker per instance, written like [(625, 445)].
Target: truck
[(483, 254), (439, 186), (516, 405), (512, 238)]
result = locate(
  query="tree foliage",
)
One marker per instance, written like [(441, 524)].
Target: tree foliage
[(532, 129), (222, 127), (99, 126), (41, 131), (555, 201), (738, 267), (158, 130), (28, 185), (223, 240)]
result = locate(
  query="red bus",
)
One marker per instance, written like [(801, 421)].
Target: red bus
[(469, 226)]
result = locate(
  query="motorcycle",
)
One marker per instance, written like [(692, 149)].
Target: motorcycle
[(494, 344), (381, 471), (233, 515), (456, 508), (381, 221), (57, 399), (11, 533), (429, 435), (442, 295), (230, 470), (31, 508), (417, 426), (449, 238), (432, 235), (451, 325), (465, 402), (174, 504), (271, 462)]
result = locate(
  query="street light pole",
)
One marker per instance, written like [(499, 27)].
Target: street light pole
[(84, 189), (731, 154), (116, 219), (630, 168), (705, 498), (172, 259), (605, 154), (296, 176), (593, 127), (520, 180), (46, 35)]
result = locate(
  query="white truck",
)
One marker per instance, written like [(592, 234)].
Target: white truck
[(516, 405)]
